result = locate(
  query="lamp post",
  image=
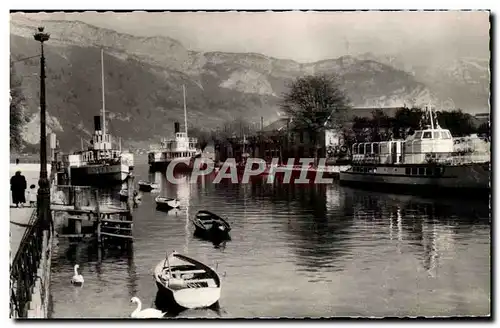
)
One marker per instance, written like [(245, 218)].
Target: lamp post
[(43, 182)]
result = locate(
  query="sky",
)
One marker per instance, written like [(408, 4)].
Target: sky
[(308, 36)]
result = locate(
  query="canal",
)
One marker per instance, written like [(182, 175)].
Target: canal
[(296, 251)]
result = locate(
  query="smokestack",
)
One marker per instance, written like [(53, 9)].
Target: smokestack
[(177, 127), (97, 123), (261, 123)]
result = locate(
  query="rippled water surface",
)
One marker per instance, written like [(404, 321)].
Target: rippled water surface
[(296, 251)]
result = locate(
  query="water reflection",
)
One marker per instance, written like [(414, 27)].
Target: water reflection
[(115, 268), (322, 250)]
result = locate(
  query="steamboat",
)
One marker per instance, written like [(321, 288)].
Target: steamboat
[(180, 151), (101, 162), (426, 162)]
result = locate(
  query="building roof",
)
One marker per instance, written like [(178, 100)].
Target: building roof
[(277, 125)]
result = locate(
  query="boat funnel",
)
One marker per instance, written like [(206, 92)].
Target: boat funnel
[(177, 127), (97, 123)]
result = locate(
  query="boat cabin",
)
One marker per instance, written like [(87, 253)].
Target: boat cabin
[(422, 147), (428, 145)]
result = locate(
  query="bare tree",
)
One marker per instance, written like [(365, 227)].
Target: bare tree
[(315, 103)]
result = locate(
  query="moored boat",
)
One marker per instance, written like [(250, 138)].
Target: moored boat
[(185, 283), (180, 152), (425, 162), (211, 226), (166, 203), (147, 186), (102, 162)]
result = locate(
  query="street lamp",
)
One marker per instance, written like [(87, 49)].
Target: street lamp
[(43, 182)]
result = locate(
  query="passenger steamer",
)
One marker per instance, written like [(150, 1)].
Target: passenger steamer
[(426, 162), (180, 151), (100, 163)]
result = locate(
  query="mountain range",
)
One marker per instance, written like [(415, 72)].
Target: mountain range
[(144, 78)]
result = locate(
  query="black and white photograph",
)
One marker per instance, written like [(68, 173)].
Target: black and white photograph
[(250, 164)]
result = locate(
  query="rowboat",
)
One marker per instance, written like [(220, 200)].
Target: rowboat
[(209, 225), (184, 283), (147, 186), (166, 203)]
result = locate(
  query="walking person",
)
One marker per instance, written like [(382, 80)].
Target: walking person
[(18, 188), (32, 195)]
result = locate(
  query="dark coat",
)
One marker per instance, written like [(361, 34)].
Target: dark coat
[(18, 187)]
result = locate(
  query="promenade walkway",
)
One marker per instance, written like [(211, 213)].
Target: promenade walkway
[(19, 217)]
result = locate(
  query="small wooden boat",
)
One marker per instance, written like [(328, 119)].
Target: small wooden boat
[(166, 203), (147, 186), (184, 283), (209, 225)]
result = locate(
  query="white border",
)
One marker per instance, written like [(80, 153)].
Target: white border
[(185, 4)]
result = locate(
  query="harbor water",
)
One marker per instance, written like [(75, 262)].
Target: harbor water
[(296, 251)]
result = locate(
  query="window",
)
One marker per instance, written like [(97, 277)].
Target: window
[(361, 149), (355, 149), (435, 135), (418, 135), (408, 171), (429, 171), (421, 170), (427, 135), (414, 171), (375, 148)]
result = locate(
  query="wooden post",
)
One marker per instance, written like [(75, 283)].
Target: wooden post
[(77, 198), (98, 215), (78, 227), (130, 189)]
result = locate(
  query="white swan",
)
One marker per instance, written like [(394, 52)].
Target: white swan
[(146, 313), (77, 278)]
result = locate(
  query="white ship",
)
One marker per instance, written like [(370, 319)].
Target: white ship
[(426, 161), (180, 151), (101, 162)]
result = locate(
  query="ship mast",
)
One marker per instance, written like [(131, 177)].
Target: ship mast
[(103, 100), (185, 112), (430, 117)]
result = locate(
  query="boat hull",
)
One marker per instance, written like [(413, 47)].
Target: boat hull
[(168, 205), (472, 180), (98, 175), (182, 164), (182, 300), (212, 234), (186, 297), (146, 187)]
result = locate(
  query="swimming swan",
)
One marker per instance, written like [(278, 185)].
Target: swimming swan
[(146, 313), (77, 278)]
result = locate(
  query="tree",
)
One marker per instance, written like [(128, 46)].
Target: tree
[(406, 121), (314, 103), (381, 124), (484, 130), (17, 116), (459, 123)]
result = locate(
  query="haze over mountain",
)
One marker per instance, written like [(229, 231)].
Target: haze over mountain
[(144, 77)]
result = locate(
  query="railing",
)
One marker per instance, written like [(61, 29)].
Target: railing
[(24, 268)]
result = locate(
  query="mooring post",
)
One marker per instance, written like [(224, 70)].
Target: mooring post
[(98, 214), (130, 189)]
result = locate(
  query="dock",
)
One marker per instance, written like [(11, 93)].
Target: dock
[(84, 216)]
